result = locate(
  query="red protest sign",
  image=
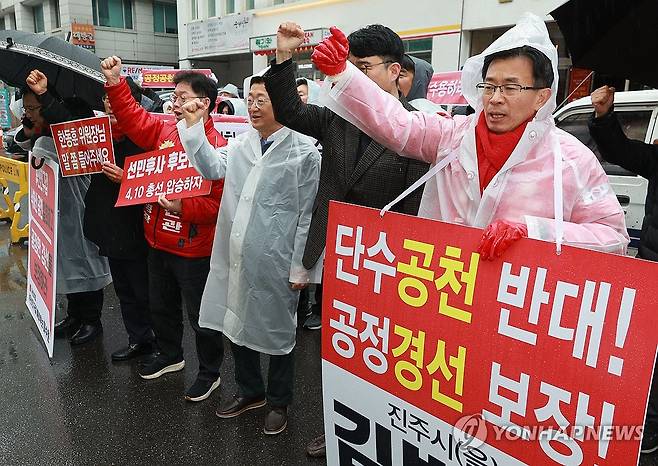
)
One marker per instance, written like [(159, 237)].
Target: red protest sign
[(530, 359), (166, 171), (42, 255), (446, 89), (83, 145), (165, 78)]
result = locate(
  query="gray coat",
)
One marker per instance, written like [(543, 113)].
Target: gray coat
[(79, 267)]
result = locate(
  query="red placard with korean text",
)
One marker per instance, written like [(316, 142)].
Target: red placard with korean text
[(429, 352), (446, 89), (165, 78), (580, 83), (42, 254), (167, 171), (83, 145)]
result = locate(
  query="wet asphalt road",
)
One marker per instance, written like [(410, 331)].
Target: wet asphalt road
[(82, 409)]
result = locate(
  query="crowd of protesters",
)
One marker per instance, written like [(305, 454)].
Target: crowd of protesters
[(242, 254)]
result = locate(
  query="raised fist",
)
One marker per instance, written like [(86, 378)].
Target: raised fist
[(37, 81), (289, 36), (330, 55), (111, 68), (602, 100)]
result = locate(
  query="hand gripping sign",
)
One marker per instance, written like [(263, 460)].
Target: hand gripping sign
[(431, 354), (83, 145)]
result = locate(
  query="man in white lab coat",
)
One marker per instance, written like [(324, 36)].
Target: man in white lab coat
[(271, 178)]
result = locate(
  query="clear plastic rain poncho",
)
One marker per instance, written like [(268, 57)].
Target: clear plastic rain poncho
[(551, 182), (263, 222)]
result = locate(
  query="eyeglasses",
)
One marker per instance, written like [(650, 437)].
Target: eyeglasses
[(507, 90), (365, 67), (260, 102), (174, 98), (31, 109)]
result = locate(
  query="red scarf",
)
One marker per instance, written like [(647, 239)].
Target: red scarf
[(493, 149)]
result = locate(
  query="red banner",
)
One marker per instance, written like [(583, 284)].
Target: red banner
[(83, 35), (166, 171), (165, 78), (446, 89), (83, 145), (42, 255), (530, 359), (580, 83)]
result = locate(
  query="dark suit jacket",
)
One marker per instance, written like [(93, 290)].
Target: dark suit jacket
[(372, 180)]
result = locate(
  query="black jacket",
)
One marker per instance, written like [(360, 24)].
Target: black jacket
[(118, 231), (372, 177), (638, 157)]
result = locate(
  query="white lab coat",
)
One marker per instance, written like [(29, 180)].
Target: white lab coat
[(261, 232), (526, 189)]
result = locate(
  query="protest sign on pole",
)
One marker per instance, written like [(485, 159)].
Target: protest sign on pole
[(446, 89), (42, 254), (164, 79), (83, 145), (430, 354), (168, 171)]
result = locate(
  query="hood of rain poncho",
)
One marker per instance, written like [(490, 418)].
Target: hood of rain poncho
[(313, 91), (231, 89), (530, 30), (238, 105), (422, 76)]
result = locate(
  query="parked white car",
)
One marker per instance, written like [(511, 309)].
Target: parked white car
[(637, 112)]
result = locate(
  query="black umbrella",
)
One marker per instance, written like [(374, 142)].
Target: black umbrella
[(71, 70), (613, 37)]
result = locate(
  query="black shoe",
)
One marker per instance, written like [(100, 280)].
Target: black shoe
[(132, 351), (276, 421), (239, 405), (67, 326), (317, 448), (314, 322), (201, 389), (649, 440), (159, 366), (86, 333)]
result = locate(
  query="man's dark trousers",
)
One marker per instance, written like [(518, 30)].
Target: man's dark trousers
[(280, 377), (171, 278)]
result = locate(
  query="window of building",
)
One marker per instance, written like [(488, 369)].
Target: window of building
[(212, 8), (37, 13), (230, 6), (278, 2), (194, 9), (2, 23), (164, 18), (55, 14), (113, 13), (419, 48), (250, 4)]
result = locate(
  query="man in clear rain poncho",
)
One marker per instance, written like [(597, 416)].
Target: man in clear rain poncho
[(495, 169), (271, 178)]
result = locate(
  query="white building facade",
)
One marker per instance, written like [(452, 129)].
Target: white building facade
[(139, 31), (213, 33)]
